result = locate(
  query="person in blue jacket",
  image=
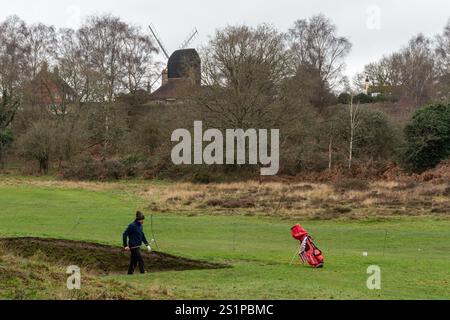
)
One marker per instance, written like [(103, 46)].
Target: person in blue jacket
[(133, 237)]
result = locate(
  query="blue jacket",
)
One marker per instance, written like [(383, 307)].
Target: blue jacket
[(136, 235)]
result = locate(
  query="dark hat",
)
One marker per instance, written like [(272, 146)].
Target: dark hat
[(139, 216)]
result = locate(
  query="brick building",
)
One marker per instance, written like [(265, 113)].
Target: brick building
[(48, 89)]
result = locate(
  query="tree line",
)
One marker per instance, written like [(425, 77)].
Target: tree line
[(252, 77), (419, 72)]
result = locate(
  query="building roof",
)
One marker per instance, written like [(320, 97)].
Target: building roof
[(183, 76), (49, 88)]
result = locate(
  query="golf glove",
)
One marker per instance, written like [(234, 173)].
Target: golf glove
[(149, 249)]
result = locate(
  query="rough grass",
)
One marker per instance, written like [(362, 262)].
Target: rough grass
[(35, 277), (347, 199)]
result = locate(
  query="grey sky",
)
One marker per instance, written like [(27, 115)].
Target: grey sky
[(399, 19)]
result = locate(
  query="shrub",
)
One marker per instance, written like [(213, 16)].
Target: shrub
[(133, 165), (344, 98), (6, 139), (85, 169), (375, 136), (427, 137), (202, 177), (352, 184), (37, 144), (363, 98), (111, 170), (91, 169)]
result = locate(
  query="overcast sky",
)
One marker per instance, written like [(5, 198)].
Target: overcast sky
[(374, 27)]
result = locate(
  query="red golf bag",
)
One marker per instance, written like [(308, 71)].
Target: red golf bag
[(308, 251)]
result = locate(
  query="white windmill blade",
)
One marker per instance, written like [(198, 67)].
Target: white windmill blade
[(158, 40), (189, 39)]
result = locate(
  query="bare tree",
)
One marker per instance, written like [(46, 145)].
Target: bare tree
[(13, 50), (8, 109), (103, 39), (354, 124), (442, 51), (386, 72), (137, 60), (408, 73), (104, 58), (314, 43), (75, 67), (243, 69), (36, 144), (331, 131), (40, 42), (418, 69)]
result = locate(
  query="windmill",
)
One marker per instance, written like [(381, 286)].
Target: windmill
[(158, 40), (189, 39)]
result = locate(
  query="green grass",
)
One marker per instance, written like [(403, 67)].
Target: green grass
[(415, 259)]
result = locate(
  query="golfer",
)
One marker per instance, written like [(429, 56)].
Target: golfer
[(136, 236)]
